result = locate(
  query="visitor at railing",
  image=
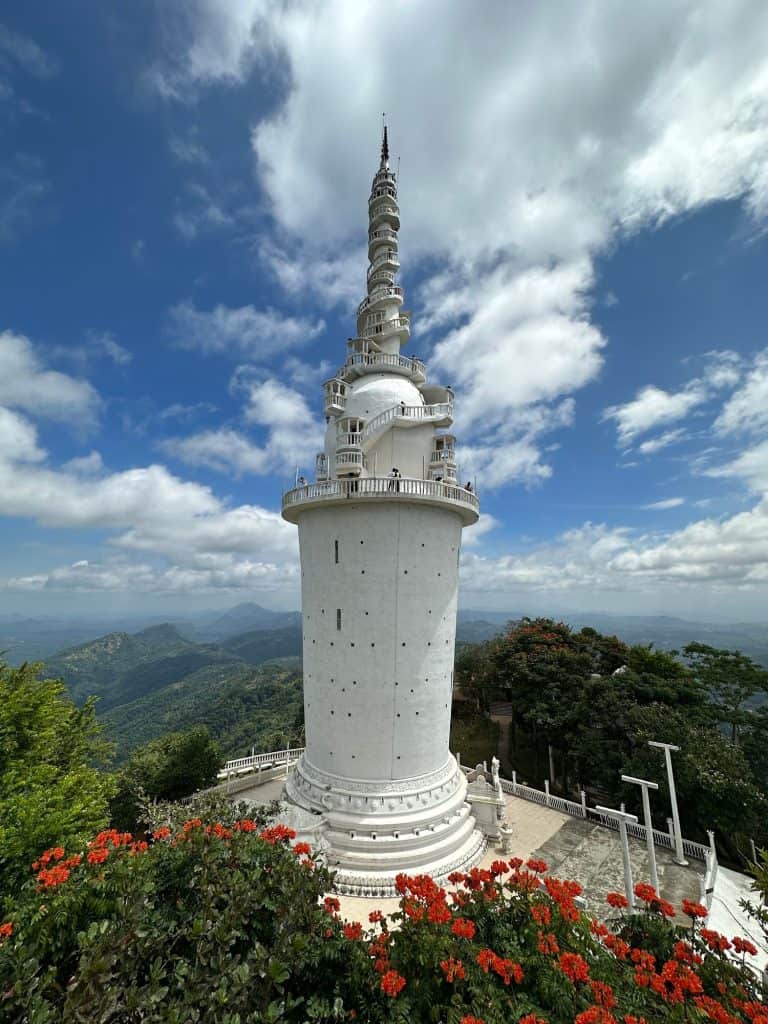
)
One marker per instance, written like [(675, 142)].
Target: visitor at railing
[(394, 479), (468, 486)]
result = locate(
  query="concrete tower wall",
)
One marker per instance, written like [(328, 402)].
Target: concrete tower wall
[(379, 624)]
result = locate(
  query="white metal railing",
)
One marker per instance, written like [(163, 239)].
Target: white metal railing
[(384, 208), (581, 810), (369, 487), (347, 440), (390, 256), (349, 459), (382, 235), (378, 360), (383, 292), (383, 190), (443, 455), (273, 757), (408, 412), (395, 323)]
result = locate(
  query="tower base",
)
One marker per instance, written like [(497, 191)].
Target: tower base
[(369, 831)]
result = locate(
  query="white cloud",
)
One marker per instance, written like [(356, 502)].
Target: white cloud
[(18, 438), (655, 444), (26, 384), (331, 280), (116, 576), (473, 534), (653, 407), (188, 149), (293, 435), (746, 411), (730, 555), (85, 465), (751, 466), (665, 503), (26, 53), (550, 151), (23, 187), (244, 330)]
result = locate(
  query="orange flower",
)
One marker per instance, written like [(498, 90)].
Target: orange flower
[(469, 1019), (161, 833), (694, 909), (392, 983), (331, 904), (539, 866), (744, 946), (6, 930), (51, 877), (375, 917), (98, 856), (573, 966), (452, 969), (463, 928), (617, 900), (302, 849), (541, 913), (353, 931), (646, 892)]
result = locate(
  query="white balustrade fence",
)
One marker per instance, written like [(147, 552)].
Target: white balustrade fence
[(580, 810)]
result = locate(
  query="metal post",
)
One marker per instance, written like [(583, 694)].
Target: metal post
[(668, 748), (754, 851), (514, 782), (645, 785), (551, 763), (546, 790), (583, 804), (671, 828), (622, 818)]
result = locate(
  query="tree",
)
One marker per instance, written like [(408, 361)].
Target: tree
[(730, 676), (51, 790), (168, 768)]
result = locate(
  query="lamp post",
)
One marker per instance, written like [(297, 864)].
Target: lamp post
[(645, 785), (668, 748), (622, 817)]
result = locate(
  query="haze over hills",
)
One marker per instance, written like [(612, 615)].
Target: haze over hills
[(239, 671)]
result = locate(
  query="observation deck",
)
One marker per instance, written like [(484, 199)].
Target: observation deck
[(361, 363), (367, 489)]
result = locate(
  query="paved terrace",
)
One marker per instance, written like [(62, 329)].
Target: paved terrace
[(582, 850)]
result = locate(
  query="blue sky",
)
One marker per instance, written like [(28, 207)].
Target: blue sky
[(183, 211)]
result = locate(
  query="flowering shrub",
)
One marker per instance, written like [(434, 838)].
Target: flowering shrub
[(229, 922)]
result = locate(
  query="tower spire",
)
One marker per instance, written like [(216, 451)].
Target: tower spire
[(385, 149)]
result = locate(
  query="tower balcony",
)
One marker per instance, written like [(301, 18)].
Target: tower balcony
[(382, 236), (388, 260), (349, 462), (395, 325), (380, 277), (435, 493), (382, 191), (334, 397), (359, 364), (380, 294), (384, 211)]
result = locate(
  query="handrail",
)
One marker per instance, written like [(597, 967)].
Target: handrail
[(580, 810), (380, 292), (394, 323), (416, 412), (410, 487), (414, 366)]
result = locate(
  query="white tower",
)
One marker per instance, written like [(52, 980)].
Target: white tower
[(380, 536)]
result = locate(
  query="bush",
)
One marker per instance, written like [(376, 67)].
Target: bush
[(230, 926)]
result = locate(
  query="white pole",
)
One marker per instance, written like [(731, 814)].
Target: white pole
[(668, 748), (645, 786), (622, 818)]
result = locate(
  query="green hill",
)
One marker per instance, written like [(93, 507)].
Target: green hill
[(120, 667), (259, 645), (242, 707)]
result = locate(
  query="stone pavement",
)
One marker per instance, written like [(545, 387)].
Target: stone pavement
[(581, 850)]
